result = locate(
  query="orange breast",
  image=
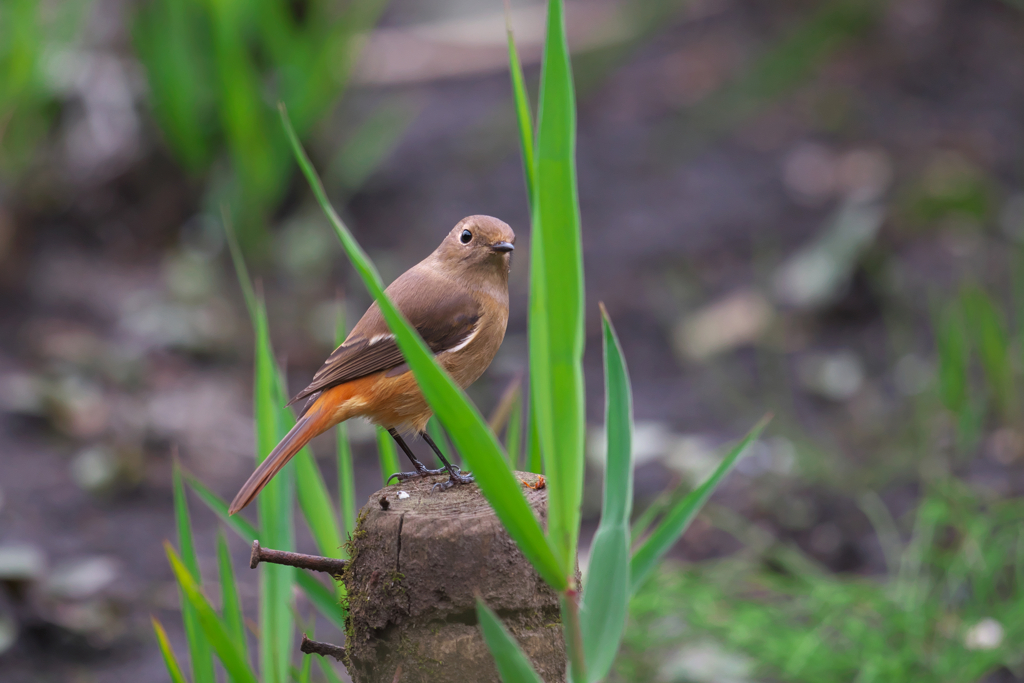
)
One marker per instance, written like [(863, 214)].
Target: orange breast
[(397, 401)]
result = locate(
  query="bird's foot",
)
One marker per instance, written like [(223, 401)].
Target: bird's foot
[(404, 476), (455, 477)]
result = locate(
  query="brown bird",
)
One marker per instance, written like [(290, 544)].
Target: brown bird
[(457, 299)]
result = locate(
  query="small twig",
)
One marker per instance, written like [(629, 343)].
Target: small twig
[(315, 647), (398, 674), (327, 565)]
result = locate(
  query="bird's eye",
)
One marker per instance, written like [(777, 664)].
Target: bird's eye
[(466, 236)]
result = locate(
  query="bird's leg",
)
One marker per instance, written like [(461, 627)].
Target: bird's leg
[(421, 469), (455, 474)]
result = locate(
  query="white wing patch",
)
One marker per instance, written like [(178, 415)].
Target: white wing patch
[(377, 338), (465, 342)]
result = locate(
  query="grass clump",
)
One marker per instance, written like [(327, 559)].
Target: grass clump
[(951, 609)]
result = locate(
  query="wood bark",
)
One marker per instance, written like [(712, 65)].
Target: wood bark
[(417, 563)]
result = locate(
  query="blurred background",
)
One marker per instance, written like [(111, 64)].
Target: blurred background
[(809, 207)]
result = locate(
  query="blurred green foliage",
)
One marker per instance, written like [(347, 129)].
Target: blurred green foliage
[(951, 190), (215, 69), (30, 37), (785, 64), (978, 373)]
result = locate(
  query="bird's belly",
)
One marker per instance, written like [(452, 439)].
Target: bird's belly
[(395, 402)]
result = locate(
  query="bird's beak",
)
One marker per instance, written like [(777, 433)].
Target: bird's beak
[(502, 247)]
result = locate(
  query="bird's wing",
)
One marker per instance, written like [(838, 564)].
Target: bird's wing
[(445, 316)]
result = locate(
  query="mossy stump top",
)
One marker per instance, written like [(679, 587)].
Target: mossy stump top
[(418, 561)]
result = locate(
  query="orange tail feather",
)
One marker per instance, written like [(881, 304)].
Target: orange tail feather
[(309, 425)]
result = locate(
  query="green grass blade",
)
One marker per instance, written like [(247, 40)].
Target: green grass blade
[(214, 629), (472, 437), (306, 670), (198, 648), (513, 665), (370, 143), (556, 295), (319, 596), (346, 479), (498, 418), (523, 115), (501, 419), (605, 599), (652, 511), (346, 472), (241, 271), (183, 521), (315, 503), (988, 328), (274, 505), (328, 671), (440, 437), (514, 433), (231, 606), (954, 358), (173, 668), (388, 455), (618, 485), (241, 526), (533, 459), (677, 519), (607, 590)]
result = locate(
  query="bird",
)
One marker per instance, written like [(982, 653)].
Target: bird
[(457, 299)]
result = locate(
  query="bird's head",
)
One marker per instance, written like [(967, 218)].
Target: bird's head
[(479, 242)]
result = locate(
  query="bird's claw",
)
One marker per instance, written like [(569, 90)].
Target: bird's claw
[(404, 476), (456, 478)]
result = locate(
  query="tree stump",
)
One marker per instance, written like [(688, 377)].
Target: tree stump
[(418, 561)]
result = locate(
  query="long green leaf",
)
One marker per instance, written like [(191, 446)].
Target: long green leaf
[(474, 440), (240, 525), (533, 459), (523, 116), (238, 260), (315, 503), (618, 477), (321, 597), (607, 590), (346, 479), (388, 455), (954, 358), (507, 416), (173, 668), (346, 473), (314, 500), (675, 522), (556, 295), (318, 595), (524, 119), (513, 665), (514, 433), (216, 632), (986, 324), (198, 648), (275, 506), (231, 606), (328, 671)]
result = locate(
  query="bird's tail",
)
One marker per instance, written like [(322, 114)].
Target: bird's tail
[(309, 425)]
